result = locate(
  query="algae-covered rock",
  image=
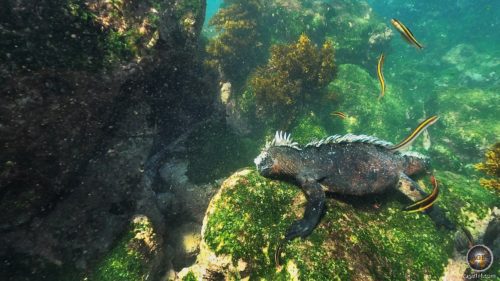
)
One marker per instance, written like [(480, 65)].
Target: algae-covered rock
[(473, 66), (308, 126), (356, 93), (357, 239), (470, 119), (136, 256), (132, 27)]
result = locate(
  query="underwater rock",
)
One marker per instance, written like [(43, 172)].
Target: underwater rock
[(474, 68), (236, 119), (355, 240), (491, 236), (174, 172), (229, 104), (83, 225), (42, 149), (136, 256), (355, 92), (469, 118), (190, 15), (133, 25), (77, 117), (225, 92)]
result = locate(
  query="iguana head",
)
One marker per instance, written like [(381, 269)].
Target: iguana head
[(279, 158), (416, 164)]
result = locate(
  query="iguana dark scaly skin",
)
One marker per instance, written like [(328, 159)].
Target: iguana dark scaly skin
[(350, 164)]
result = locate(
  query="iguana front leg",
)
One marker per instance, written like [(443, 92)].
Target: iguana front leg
[(315, 206)]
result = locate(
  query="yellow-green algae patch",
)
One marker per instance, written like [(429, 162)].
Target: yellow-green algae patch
[(131, 257), (190, 276), (357, 239)]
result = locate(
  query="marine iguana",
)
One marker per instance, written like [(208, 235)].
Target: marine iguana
[(350, 164)]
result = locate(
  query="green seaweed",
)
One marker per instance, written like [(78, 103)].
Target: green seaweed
[(189, 277), (308, 127), (491, 167), (241, 42), (354, 238), (291, 79), (124, 262), (356, 93)]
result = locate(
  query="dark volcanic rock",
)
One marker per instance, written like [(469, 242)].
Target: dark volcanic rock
[(80, 106), (52, 122)]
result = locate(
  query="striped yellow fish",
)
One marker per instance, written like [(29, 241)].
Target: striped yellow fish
[(420, 128), (342, 115), (380, 75), (427, 202), (406, 33)]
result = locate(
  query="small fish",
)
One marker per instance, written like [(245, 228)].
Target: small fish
[(406, 33), (420, 128), (342, 115), (381, 75), (427, 202)]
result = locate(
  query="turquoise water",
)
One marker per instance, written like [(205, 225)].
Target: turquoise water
[(212, 7)]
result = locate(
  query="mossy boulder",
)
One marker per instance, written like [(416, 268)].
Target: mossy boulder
[(470, 124), (357, 239), (136, 256), (473, 66), (132, 28), (308, 127), (356, 93)]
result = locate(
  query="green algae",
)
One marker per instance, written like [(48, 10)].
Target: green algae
[(237, 231), (240, 38), (464, 197), (190, 277), (124, 262), (293, 77), (491, 167), (120, 264), (357, 93), (470, 122), (308, 127), (354, 238)]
